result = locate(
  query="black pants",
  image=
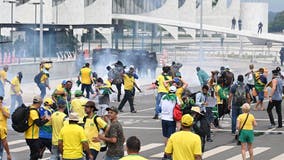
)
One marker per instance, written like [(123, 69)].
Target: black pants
[(88, 88), (34, 145), (277, 105), (128, 96), (118, 87), (44, 142)]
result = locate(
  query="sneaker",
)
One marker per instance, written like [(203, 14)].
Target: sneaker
[(120, 110), (209, 140), (134, 111), (279, 127), (271, 126), (155, 117)]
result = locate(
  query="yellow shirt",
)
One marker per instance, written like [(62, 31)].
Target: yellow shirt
[(161, 80), (57, 121), (133, 157), (77, 106), (3, 119), (3, 133), (33, 131), (217, 88), (72, 136), (179, 93), (60, 88), (92, 131), (85, 74), (16, 84), (128, 82), (184, 145), (249, 122), (3, 76), (43, 78)]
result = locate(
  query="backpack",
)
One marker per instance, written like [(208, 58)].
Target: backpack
[(103, 148), (240, 95), (177, 113), (38, 77), (20, 118)]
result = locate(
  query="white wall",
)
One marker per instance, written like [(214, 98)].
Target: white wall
[(98, 12), (69, 12), (251, 17), (25, 13)]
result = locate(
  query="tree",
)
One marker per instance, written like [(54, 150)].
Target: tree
[(277, 25)]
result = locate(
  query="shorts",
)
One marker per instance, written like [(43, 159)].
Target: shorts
[(246, 136), (260, 96), (168, 128)]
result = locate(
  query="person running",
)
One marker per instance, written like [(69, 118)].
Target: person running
[(184, 145), (275, 99), (86, 78), (45, 131), (4, 115), (32, 133), (260, 82), (133, 146), (43, 81), (16, 91), (72, 140), (250, 81), (3, 80), (246, 137), (129, 84), (57, 122), (162, 89), (92, 126), (114, 137)]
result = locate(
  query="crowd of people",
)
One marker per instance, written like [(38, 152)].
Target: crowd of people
[(185, 116)]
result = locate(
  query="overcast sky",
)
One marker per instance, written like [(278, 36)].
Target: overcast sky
[(276, 5)]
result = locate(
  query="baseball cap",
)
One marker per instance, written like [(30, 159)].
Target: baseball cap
[(173, 89), (186, 120), (114, 109), (63, 82), (91, 104), (48, 101), (78, 93), (176, 79), (37, 99), (74, 116)]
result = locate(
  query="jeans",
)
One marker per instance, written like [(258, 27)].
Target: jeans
[(277, 105), (42, 88), (88, 88), (2, 90), (236, 111), (158, 100), (54, 153), (15, 98), (128, 96), (34, 145), (111, 158)]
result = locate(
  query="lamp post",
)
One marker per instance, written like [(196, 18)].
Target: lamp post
[(35, 5), (41, 31), (12, 14), (201, 54)]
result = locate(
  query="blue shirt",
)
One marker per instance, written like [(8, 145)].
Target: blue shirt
[(45, 131)]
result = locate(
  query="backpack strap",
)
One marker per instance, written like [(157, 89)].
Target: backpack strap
[(95, 121), (29, 114)]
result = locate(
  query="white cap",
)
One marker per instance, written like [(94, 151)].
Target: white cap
[(173, 89)]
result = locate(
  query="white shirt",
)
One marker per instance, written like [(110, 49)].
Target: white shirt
[(167, 109)]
